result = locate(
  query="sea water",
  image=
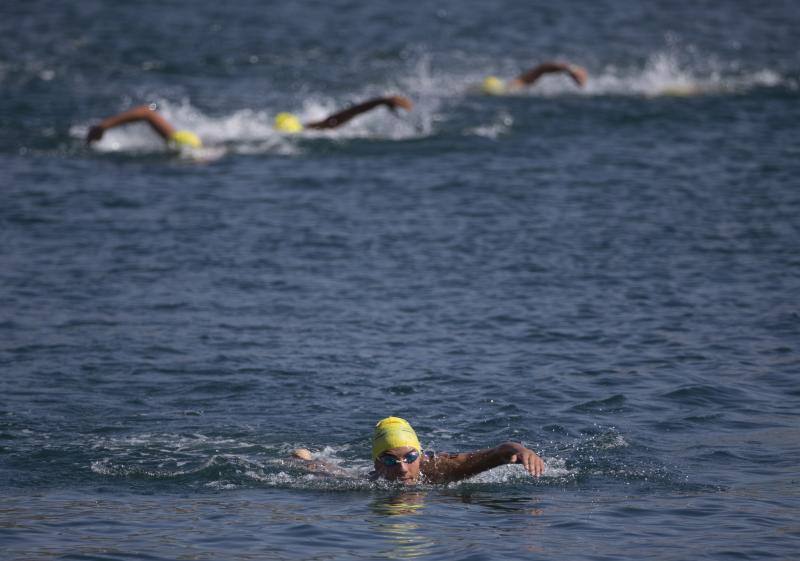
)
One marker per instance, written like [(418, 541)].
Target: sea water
[(609, 275)]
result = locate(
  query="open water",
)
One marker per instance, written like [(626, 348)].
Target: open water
[(608, 275)]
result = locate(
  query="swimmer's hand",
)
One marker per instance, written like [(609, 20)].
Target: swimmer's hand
[(532, 463), (395, 101), (318, 466), (95, 133), (577, 73), (301, 454)]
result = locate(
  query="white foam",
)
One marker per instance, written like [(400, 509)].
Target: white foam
[(617, 442), (664, 74), (435, 94), (674, 71), (499, 126), (515, 473), (221, 485)]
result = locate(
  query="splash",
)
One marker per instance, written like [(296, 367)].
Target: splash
[(221, 463), (201, 461), (499, 126), (555, 470), (664, 74), (674, 71), (437, 94)]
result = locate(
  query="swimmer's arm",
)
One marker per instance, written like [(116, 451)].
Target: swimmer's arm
[(337, 119), (443, 468), (320, 467), (140, 113), (578, 74)]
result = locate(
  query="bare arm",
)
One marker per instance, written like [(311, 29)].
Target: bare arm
[(140, 113), (578, 74), (453, 467), (337, 119), (318, 467)]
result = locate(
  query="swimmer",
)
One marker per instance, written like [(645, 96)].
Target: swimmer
[(493, 85), (284, 122), (148, 114), (398, 456)]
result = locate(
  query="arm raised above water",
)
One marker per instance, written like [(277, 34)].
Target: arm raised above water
[(578, 74), (443, 468), (144, 113), (340, 118), (303, 457)]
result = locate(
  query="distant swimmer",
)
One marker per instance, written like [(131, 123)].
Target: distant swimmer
[(398, 456), (284, 122), (493, 85), (287, 122)]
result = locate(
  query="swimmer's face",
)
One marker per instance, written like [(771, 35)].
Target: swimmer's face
[(399, 464)]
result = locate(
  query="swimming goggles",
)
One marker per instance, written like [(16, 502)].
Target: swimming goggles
[(391, 461)]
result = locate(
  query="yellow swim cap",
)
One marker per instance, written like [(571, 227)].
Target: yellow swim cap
[(286, 122), (393, 432), (185, 138), (493, 85)]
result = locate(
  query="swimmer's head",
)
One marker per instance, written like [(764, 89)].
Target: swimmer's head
[(186, 138), (286, 122), (492, 85), (396, 451), (393, 432)]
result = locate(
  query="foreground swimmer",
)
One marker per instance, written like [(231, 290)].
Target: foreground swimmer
[(397, 456), (284, 122), (495, 86)]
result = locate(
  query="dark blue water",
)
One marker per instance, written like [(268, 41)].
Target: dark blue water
[(609, 275)]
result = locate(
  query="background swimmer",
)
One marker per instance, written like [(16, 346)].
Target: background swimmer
[(493, 85), (286, 122)]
